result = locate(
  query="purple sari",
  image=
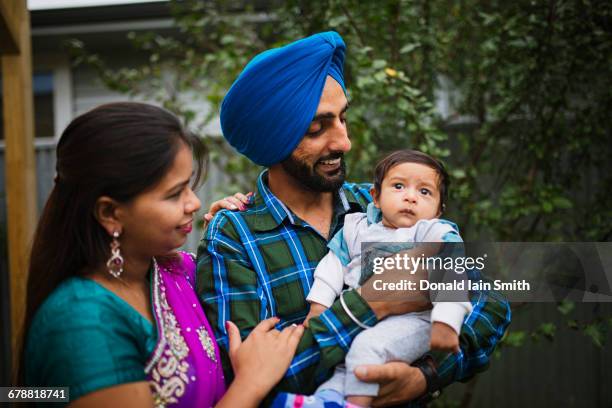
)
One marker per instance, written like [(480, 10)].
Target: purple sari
[(185, 368)]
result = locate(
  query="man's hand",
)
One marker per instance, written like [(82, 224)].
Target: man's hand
[(443, 337), (388, 302), (399, 382), (399, 300)]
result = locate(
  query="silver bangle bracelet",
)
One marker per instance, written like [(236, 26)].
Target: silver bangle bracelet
[(350, 314)]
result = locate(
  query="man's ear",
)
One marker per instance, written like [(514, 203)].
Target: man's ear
[(106, 212), (374, 195)]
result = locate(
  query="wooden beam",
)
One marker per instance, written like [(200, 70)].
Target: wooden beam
[(20, 164), (9, 31)]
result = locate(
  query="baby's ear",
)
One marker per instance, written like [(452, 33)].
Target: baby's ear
[(374, 194), (441, 211)]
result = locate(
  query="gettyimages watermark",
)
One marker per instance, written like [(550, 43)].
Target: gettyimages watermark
[(521, 271)]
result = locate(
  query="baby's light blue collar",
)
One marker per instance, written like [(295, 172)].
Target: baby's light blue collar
[(374, 214)]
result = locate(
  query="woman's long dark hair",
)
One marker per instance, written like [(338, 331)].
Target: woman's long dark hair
[(117, 150)]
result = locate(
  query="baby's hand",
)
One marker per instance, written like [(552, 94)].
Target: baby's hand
[(443, 337), (315, 310)]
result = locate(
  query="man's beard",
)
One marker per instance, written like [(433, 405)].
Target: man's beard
[(307, 175)]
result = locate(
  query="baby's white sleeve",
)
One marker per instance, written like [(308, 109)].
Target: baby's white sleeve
[(450, 313), (328, 280)]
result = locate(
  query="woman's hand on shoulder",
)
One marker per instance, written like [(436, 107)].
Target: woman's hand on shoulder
[(238, 201), (261, 360)]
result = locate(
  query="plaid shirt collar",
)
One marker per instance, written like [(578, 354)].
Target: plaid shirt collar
[(272, 212)]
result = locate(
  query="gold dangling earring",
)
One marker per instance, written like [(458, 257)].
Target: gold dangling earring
[(115, 262)]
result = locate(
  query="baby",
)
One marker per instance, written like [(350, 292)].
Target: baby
[(409, 193)]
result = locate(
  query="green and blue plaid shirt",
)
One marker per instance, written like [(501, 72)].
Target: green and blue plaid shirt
[(259, 263)]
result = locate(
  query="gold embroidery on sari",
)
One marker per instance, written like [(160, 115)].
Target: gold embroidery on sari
[(169, 374), (207, 343), (167, 367)]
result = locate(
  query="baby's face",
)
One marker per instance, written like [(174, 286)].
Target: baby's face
[(409, 193)]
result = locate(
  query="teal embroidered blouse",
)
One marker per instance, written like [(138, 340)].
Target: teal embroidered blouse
[(87, 338)]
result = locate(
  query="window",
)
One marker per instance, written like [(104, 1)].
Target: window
[(44, 119), (44, 116)]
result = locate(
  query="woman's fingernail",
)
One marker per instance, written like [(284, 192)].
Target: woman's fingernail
[(233, 207)]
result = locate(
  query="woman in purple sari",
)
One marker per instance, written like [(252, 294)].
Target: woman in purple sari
[(112, 311)]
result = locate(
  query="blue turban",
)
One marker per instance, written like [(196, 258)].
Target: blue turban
[(270, 106)]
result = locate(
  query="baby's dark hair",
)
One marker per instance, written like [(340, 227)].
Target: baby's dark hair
[(412, 156)]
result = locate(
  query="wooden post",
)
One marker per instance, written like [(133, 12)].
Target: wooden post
[(20, 164)]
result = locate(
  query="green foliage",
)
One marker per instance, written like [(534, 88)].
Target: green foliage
[(526, 135), (535, 76), (566, 307), (515, 338), (596, 332), (596, 327), (545, 330)]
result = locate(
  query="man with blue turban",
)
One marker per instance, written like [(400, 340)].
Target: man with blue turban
[(287, 111), (268, 109)]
